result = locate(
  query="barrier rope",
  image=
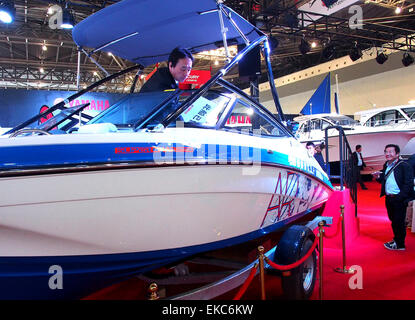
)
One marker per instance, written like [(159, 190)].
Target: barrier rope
[(337, 231), (246, 283), (274, 265), (295, 264)]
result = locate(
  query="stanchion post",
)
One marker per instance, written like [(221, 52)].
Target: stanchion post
[(261, 271), (153, 288), (320, 259), (344, 269)]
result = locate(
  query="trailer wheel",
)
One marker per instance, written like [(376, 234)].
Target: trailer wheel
[(294, 244)]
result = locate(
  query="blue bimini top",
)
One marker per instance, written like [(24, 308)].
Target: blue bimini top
[(146, 31)]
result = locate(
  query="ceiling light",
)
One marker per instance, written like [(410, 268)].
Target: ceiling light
[(7, 11), (68, 20), (44, 47), (304, 46), (273, 42), (355, 53), (329, 51), (381, 58), (216, 62), (407, 59), (329, 3), (42, 70), (398, 10), (313, 44)]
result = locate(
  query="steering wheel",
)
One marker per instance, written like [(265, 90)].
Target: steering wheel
[(32, 131)]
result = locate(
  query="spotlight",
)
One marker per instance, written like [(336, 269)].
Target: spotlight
[(273, 43), (381, 58), (68, 20), (291, 20), (304, 46), (355, 53), (7, 11), (329, 3), (407, 59), (329, 50)]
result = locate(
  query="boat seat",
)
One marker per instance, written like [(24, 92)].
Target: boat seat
[(98, 128)]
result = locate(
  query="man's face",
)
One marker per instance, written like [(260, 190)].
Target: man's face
[(359, 149), (390, 154), (181, 70), (311, 150)]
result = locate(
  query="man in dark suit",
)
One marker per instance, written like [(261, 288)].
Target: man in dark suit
[(360, 164), (167, 78), (397, 180)]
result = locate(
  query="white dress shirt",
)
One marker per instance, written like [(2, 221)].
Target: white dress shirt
[(391, 187)]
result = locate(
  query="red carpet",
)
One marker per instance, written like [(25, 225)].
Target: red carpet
[(386, 275)]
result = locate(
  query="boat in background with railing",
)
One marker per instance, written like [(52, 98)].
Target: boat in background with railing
[(399, 119), (317, 117)]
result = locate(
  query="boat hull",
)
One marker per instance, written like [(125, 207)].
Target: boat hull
[(114, 223)]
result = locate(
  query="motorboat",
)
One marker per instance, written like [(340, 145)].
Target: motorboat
[(155, 178), (316, 120), (372, 139), (393, 119)]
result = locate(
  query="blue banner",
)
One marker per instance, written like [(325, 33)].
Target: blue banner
[(18, 105)]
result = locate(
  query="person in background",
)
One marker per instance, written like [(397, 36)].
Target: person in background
[(180, 64), (359, 162), (311, 148), (319, 156), (396, 178), (315, 151)]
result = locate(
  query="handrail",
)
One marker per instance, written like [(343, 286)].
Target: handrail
[(348, 168)]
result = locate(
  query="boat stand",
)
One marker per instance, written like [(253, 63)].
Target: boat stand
[(218, 282)]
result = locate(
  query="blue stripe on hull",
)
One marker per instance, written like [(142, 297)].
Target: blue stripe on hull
[(28, 277), (38, 156)]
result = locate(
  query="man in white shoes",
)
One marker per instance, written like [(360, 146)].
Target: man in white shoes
[(397, 185)]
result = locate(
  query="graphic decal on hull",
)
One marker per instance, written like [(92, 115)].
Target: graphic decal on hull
[(294, 193)]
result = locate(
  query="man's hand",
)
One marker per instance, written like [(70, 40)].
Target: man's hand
[(376, 174)]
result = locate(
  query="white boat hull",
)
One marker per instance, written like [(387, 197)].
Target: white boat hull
[(142, 209), (102, 207)]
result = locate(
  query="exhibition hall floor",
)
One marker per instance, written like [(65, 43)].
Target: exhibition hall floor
[(385, 274)]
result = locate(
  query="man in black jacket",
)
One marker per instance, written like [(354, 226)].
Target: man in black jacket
[(360, 164), (167, 78), (397, 185)]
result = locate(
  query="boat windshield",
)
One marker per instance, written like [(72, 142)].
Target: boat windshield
[(341, 120), (133, 108), (410, 112), (147, 110), (220, 108)]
